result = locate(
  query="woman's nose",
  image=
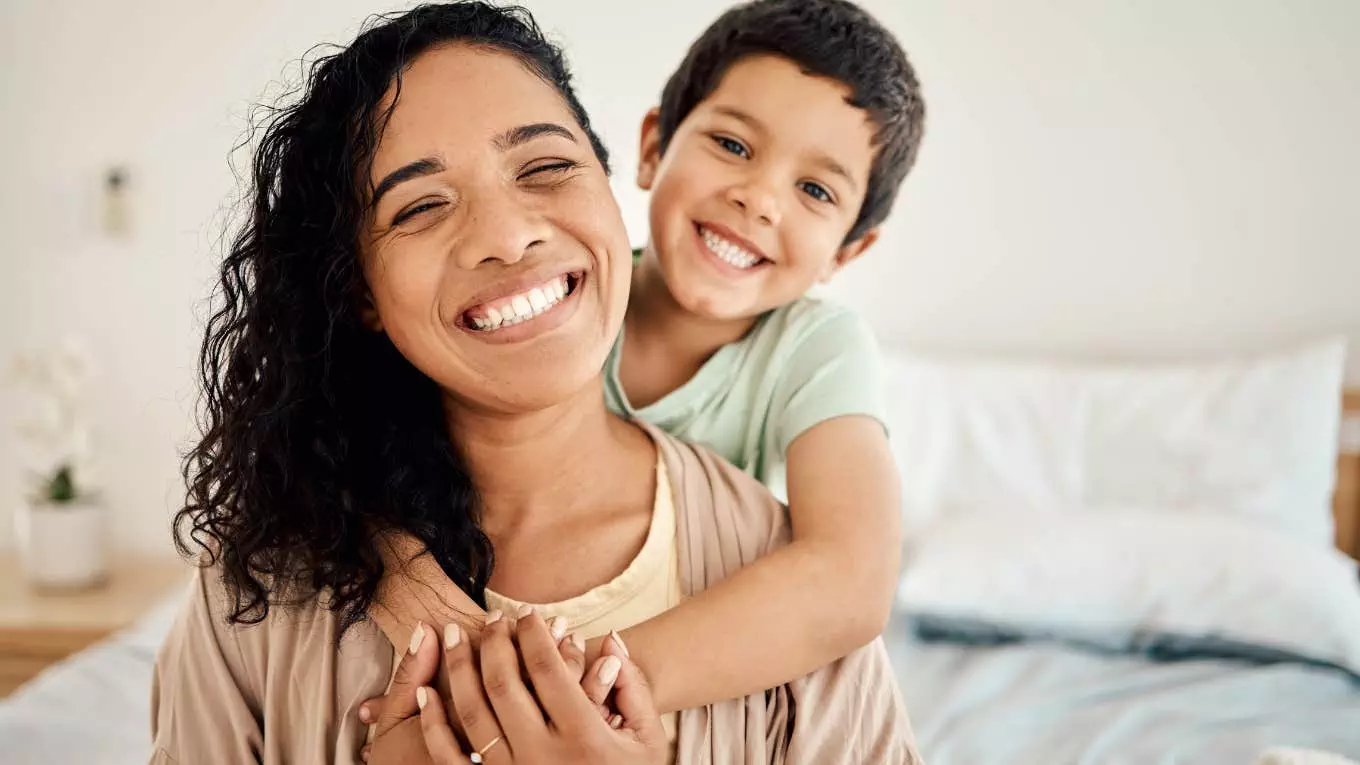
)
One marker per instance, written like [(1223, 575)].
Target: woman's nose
[(501, 228)]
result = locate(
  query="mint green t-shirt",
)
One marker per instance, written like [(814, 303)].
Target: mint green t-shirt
[(801, 364)]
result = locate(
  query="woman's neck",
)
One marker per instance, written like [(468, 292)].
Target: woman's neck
[(548, 465)]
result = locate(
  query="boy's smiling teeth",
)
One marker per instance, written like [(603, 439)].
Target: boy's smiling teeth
[(517, 309), (727, 251)]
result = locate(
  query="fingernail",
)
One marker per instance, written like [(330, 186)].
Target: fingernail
[(417, 638), (421, 697), (525, 611), (451, 636), (493, 617), (609, 669), (558, 627), (363, 754), (619, 640), (365, 714), (579, 642), (616, 722)]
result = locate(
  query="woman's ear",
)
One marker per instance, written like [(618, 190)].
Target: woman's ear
[(849, 252), (649, 152), (368, 313)]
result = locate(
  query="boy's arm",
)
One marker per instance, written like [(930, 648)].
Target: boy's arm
[(826, 593)]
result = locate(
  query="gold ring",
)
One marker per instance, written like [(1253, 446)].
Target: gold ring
[(477, 755)]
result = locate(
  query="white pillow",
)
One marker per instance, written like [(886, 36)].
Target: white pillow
[(1094, 577), (1252, 437)]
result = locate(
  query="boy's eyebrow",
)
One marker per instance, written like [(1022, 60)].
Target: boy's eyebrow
[(740, 116), (835, 168), (824, 160)]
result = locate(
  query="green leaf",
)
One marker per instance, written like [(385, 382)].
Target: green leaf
[(62, 488)]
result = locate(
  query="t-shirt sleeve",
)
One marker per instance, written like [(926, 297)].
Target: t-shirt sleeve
[(202, 705), (834, 371)]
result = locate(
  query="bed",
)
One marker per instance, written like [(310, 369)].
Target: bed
[(1107, 564), (1130, 563)]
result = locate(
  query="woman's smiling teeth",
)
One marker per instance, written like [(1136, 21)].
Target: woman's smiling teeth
[(517, 309), (727, 251)]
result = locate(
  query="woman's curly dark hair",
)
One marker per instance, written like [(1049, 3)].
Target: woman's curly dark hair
[(316, 433)]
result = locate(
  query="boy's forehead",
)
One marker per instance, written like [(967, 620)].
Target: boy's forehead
[(775, 96)]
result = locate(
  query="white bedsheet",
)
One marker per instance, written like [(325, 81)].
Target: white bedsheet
[(1051, 704), (93, 708)]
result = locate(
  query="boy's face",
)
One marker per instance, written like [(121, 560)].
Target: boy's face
[(758, 188)]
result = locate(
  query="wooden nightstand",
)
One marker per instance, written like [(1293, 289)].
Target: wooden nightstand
[(40, 628)]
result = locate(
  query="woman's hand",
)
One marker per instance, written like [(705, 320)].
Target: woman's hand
[(504, 721), (399, 737)]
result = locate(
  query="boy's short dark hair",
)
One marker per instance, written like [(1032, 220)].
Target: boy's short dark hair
[(827, 38)]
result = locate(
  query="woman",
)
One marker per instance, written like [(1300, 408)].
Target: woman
[(361, 410)]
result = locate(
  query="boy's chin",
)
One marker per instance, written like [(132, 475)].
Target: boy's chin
[(721, 305)]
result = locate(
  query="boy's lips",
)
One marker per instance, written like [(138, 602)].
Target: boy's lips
[(729, 248)]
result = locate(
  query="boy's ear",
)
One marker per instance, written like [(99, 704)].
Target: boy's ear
[(649, 151), (848, 253)]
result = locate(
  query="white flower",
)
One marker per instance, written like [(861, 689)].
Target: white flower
[(54, 435)]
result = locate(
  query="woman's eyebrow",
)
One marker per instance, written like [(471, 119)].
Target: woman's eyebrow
[(516, 136), (506, 141), (417, 169)]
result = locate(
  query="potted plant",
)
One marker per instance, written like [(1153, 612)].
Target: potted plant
[(61, 525)]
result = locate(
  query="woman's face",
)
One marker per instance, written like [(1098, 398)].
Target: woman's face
[(494, 252)]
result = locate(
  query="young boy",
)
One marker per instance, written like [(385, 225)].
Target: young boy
[(777, 151)]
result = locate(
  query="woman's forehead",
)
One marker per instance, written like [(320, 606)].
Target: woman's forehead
[(459, 93)]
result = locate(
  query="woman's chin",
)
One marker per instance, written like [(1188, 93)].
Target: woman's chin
[(556, 373)]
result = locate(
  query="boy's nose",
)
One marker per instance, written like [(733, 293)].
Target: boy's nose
[(755, 201)]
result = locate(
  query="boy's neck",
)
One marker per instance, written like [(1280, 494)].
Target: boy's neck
[(674, 341)]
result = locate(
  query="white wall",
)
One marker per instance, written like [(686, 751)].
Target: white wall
[(1099, 179)]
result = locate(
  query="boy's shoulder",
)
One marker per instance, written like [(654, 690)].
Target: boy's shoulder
[(810, 322)]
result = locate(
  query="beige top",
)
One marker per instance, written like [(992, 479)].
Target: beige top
[(650, 585), (282, 691)]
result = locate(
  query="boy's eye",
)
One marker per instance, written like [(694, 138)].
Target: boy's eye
[(816, 191), (415, 210), (732, 146)]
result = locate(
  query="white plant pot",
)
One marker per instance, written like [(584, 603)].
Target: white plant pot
[(62, 546)]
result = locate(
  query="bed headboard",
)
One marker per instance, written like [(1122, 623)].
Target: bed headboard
[(1346, 501)]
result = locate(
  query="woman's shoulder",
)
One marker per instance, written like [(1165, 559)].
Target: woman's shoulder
[(216, 618), (222, 683), (725, 518)]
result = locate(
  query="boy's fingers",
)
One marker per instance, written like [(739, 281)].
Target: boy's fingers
[(434, 725), (417, 667)]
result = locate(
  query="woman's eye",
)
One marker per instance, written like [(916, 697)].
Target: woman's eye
[(732, 146), (551, 168), (816, 191), (415, 210)]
